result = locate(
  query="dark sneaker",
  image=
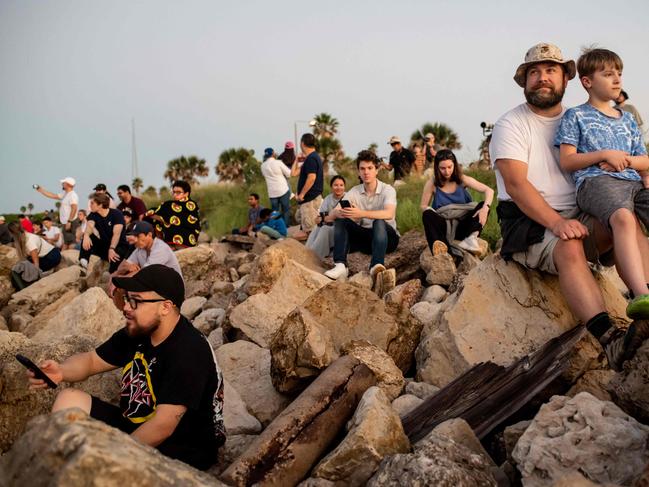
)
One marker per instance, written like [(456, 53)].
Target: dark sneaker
[(621, 345), (638, 308), (635, 336)]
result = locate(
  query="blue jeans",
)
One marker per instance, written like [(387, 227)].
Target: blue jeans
[(377, 241), (284, 202)]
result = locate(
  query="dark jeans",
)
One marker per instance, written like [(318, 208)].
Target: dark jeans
[(435, 226), (100, 248), (284, 202), (50, 261), (377, 241)]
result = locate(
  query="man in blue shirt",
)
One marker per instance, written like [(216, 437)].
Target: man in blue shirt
[(309, 185)]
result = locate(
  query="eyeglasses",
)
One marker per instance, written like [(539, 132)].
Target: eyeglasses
[(133, 302), (178, 191)]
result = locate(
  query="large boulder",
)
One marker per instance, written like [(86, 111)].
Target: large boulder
[(374, 431), (91, 313), (6, 290), (246, 367), (261, 314), (18, 403), (70, 449), (312, 336), (404, 260), (8, 259), (584, 434), (34, 298), (436, 461), (32, 325), (630, 388), (237, 419), (200, 269), (388, 376), (502, 313)]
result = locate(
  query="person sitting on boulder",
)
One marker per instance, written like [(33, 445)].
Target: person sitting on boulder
[(254, 208), (172, 386), (272, 224), (178, 220), (108, 243), (321, 239), (40, 255), (365, 221), (451, 215)]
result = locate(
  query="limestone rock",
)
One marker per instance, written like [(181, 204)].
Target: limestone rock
[(245, 269), (374, 432), (461, 433), (311, 337), (8, 259), (575, 479), (95, 272), (399, 300), (388, 376), (585, 434), (595, 382), (247, 367), (91, 313), (434, 294), (427, 313), (406, 403), (200, 269), (19, 321), (630, 388), (442, 270), (234, 446), (31, 326), (215, 338), (34, 298), (204, 238), (421, 389), (503, 313), (235, 415), (209, 320), (192, 306), (361, 279), (17, 403), (6, 290), (260, 315), (3, 324), (436, 461), (512, 434), (69, 257), (69, 449), (284, 453)]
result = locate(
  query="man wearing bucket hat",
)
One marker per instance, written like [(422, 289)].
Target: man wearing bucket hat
[(172, 387), (541, 225), (401, 160)]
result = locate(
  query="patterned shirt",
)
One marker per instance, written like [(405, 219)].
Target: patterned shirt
[(589, 130)]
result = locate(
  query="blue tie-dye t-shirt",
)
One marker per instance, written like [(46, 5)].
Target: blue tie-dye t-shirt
[(589, 130)]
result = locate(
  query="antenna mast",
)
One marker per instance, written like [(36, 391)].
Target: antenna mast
[(134, 169)]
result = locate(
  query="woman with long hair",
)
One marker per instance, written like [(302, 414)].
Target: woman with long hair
[(321, 239), (288, 156), (448, 210), (34, 248)]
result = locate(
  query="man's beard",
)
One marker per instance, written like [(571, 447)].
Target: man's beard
[(544, 100), (137, 331)]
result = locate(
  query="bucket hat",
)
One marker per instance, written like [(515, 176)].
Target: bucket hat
[(543, 53)]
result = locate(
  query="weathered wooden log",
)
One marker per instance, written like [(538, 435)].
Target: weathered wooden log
[(288, 448), (487, 394)]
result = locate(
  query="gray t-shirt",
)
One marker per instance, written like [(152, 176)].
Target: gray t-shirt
[(384, 195), (160, 253)]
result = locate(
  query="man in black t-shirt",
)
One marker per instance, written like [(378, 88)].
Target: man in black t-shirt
[(309, 185), (104, 235), (401, 160), (172, 387)]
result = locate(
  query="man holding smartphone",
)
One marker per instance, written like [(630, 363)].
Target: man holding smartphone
[(68, 210), (172, 387), (366, 222)]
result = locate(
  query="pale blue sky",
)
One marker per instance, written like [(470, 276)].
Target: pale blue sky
[(203, 76)]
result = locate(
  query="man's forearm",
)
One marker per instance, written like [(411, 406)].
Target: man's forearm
[(48, 194), (117, 232), (77, 367), (378, 214)]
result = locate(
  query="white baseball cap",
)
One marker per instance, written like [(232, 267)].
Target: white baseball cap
[(69, 180)]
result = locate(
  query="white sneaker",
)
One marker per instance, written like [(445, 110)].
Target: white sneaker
[(339, 270), (83, 263), (471, 244)]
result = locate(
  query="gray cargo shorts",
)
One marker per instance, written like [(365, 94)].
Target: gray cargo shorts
[(540, 256)]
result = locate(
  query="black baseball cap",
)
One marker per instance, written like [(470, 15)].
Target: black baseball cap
[(139, 227), (157, 278), (100, 187)]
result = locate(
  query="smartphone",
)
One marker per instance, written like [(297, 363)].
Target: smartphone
[(35, 186), (38, 373), (345, 204)]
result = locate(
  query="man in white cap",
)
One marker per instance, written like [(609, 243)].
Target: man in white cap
[(69, 207), (541, 225), (401, 160)]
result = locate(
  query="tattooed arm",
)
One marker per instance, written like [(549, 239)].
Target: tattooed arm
[(161, 426)]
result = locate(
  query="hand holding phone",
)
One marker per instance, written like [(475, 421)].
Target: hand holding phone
[(345, 204), (35, 186), (38, 374)]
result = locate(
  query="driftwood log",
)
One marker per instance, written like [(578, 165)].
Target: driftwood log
[(289, 447), (488, 394)]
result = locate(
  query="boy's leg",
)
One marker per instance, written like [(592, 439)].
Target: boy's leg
[(627, 253), (641, 208), (271, 232)]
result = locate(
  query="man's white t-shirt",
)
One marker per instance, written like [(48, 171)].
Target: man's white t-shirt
[(34, 242), (275, 172), (67, 200), (54, 233), (523, 135)]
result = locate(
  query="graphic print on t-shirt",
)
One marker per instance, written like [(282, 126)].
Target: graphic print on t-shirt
[(137, 390)]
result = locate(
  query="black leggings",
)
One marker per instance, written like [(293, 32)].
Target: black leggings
[(435, 226)]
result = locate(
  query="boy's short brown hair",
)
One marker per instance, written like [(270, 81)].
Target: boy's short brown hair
[(597, 59)]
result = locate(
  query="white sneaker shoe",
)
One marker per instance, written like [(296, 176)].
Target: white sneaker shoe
[(470, 244), (83, 263), (339, 270)]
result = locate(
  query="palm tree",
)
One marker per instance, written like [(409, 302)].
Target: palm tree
[(164, 193), (58, 205), (237, 165), (373, 147), (444, 135), (30, 207), (137, 184), (23, 209), (326, 126), (150, 192), (330, 149), (186, 169)]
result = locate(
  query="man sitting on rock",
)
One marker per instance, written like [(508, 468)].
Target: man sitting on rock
[(541, 225), (254, 208), (367, 223), (172, 387)]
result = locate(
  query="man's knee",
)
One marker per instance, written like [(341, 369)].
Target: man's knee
[(72, 398), (569, 253), (379, 225)]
